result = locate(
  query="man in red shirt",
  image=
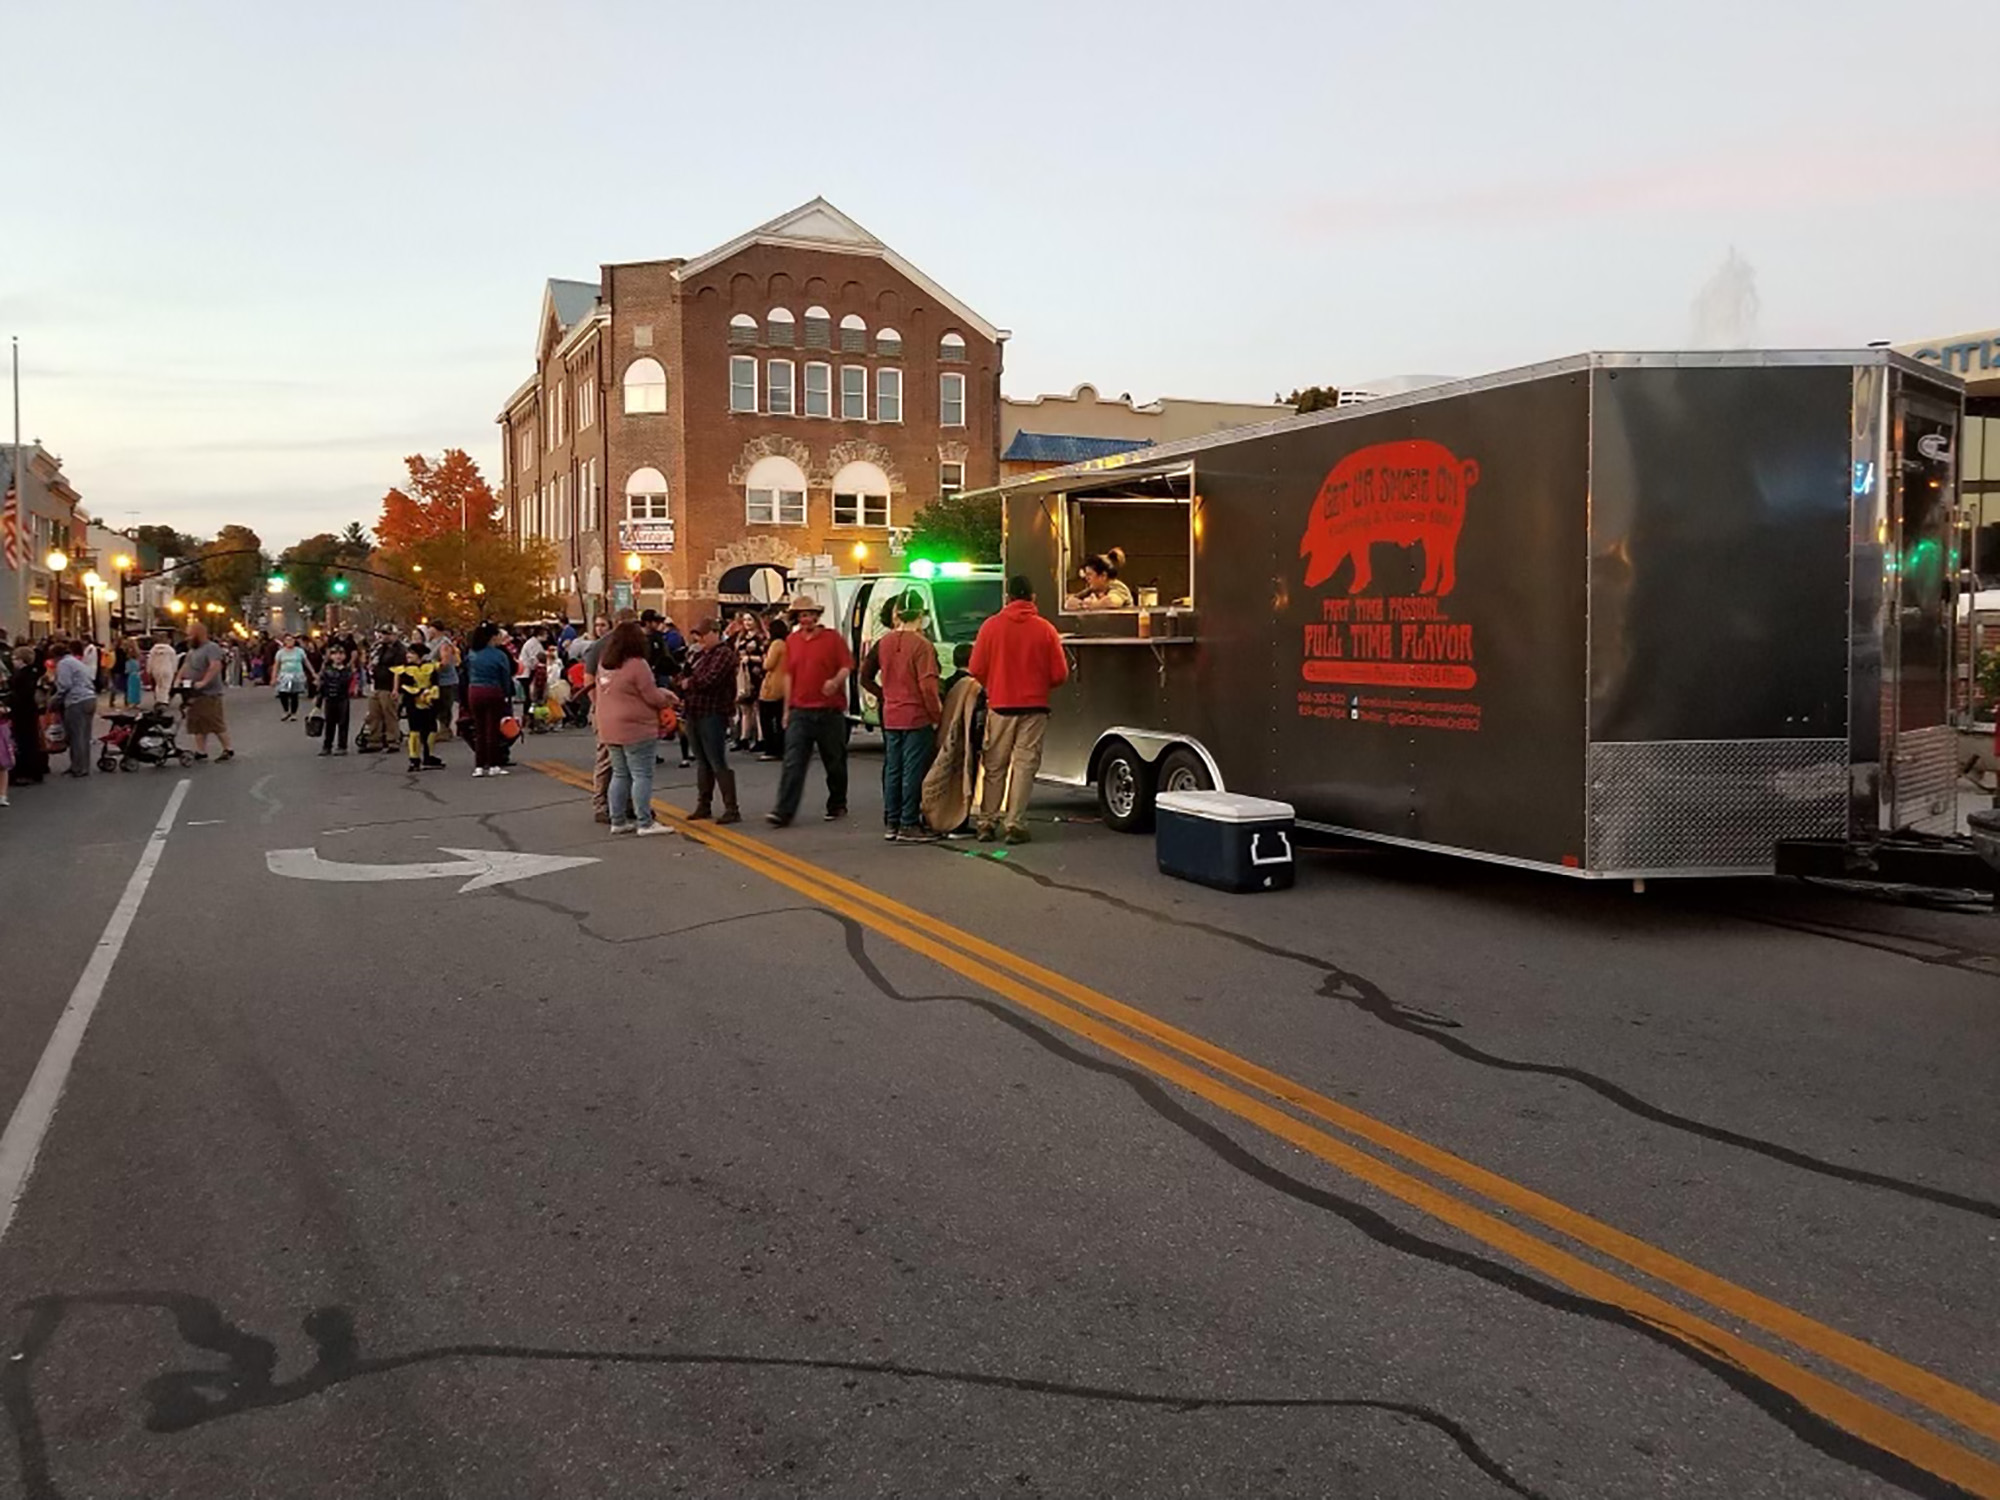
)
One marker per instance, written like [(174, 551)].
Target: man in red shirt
[(1018, 658), (904, 667), (818, 663)]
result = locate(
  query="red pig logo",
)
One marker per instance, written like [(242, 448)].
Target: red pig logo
[(1411, 493)]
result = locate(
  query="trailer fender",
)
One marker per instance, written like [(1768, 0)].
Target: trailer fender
[(1151, 744)]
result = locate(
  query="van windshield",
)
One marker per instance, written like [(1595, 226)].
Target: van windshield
[(962, 605)]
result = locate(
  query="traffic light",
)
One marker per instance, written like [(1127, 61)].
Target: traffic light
[(275, 584), (338, 588)]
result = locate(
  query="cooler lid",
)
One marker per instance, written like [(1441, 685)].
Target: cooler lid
[(1224, 807)]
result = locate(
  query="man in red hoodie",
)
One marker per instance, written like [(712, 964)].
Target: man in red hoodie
[(1018, 658)]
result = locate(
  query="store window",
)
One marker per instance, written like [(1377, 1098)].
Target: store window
[(819, 390), (861, 495), (645, 387), (742, 383), (774, 493)]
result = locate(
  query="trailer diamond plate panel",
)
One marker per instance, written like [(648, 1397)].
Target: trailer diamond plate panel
[(1662, 805)]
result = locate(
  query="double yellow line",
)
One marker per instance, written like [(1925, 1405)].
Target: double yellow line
[(1172, 1054)]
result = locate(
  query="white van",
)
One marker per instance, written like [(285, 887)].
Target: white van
[(959, 596)]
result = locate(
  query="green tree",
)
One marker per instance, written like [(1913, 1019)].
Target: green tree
[(1313, 398), (310, 567), (232, 568), (957, 528), (355, 538)]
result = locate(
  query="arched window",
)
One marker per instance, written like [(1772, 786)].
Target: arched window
[(819, 328), (860, 495), (645, 386), (779, 326), (743, 329), (952, 347), (646, 496), (774, 493), (853, 335), (889, 344)]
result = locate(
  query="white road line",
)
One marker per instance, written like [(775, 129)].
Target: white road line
[(22, 1139)]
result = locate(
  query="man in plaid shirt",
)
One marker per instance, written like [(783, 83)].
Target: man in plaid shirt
[(708, 698)]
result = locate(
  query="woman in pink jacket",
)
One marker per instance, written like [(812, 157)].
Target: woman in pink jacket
[(626, 706)]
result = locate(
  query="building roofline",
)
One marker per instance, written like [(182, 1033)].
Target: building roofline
[(1155, 405), (773, 232)]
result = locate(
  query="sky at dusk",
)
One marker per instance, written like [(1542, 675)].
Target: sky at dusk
[(256, 253)]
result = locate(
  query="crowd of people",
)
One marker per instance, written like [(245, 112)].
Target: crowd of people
[(962, 740)]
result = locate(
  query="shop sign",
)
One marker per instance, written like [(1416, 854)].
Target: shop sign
[(646, 536)]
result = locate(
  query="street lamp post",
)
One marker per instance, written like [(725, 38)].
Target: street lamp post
[(124, 564), (58, 561)]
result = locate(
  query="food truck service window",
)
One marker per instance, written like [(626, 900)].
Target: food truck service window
[(1144, 528)]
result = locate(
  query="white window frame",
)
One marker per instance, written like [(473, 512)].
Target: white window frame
[(628, 389), (858, 508), (649, 507), (948, 482), (946, 398), (845, 414), (586, 400), (826, 392), (778, 507), (886, 378), (772, 369), (737, 364)]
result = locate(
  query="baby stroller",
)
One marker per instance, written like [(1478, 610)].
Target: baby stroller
[(141, 739)]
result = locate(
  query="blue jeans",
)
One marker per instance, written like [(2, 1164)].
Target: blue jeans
[(906, 759), (630, 796)]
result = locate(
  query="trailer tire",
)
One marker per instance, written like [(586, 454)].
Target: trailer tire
[(1181, 770), (1125, 790)]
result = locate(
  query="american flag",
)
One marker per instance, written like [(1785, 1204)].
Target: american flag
[(10, 525)]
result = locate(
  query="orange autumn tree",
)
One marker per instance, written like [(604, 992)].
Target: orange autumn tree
[(442, 499)]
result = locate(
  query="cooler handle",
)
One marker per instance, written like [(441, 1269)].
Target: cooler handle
[(1284, 844)]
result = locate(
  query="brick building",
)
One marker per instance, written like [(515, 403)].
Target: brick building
[(46, 520), (801, 391)]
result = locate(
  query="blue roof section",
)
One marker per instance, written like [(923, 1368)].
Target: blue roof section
[(1061, 448), (573, 300)]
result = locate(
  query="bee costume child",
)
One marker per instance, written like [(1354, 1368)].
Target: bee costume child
[(417, 694)]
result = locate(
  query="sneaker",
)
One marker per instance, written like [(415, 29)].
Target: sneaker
[(889, 835), (496, 770), (5, 803), (226, 755), (415, 764), (1017, 835), (729, 815), (687, 765), (699, 815), (770, 757), (916, 836), (341, 751), (777, 820), (985, 834), (621, 827), (646, 828), (833, 814), (432, 763), (478, 771), (325, 752)]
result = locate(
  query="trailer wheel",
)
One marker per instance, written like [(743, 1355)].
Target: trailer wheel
[(1125, 790), (1181, 770)]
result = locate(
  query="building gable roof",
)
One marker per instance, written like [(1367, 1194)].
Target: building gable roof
[(564, 305), (818, 225), (1066, 448)]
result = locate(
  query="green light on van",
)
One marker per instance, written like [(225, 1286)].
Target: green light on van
[(923, 567), (956, 570)]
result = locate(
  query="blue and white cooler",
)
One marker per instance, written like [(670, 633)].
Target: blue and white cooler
[(1225, 839)]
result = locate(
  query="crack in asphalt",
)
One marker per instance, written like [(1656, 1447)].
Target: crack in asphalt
[(1375, 1002), (445, 817), (179, 1400)]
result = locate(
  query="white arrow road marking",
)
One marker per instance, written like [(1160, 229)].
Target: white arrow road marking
[(484, 867)]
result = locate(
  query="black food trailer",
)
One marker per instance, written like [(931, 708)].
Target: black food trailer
[(1618, 615)]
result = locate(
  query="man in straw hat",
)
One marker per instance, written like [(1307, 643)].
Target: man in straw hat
[(818, 663)]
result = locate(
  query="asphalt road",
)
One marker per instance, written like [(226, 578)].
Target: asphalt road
[(794, 1163)]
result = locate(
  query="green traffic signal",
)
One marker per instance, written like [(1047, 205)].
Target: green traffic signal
[(339, 585)]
